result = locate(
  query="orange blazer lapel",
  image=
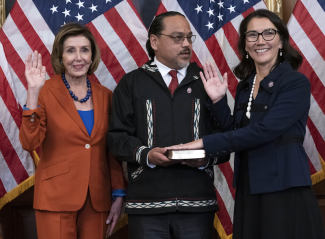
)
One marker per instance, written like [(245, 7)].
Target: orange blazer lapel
[(98, 97), (62, 95)]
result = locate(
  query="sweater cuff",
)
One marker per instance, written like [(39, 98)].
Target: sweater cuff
[(212, 161), (141, 156)]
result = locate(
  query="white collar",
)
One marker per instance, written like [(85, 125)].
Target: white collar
[(164, 70)]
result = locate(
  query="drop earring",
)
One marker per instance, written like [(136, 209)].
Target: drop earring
[(280, 52), (246, 55)]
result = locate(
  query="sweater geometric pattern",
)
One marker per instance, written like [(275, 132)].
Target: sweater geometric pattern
[(149, 68), (172, 203), (196, 119), (137, 172), (150, 123)]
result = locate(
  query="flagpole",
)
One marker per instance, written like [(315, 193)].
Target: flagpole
[(2, 12), (275, 6)]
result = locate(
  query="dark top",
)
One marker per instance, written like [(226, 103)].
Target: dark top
[(144, 116), (274, 136)]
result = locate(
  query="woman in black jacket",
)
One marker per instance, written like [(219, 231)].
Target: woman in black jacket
[(274, 198)]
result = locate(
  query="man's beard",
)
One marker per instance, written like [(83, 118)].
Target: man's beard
[(182, 64)]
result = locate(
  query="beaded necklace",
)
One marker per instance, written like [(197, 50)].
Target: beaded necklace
[(248, 114), (73, 95)]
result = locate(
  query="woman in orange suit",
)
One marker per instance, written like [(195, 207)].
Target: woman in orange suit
[(67, 116)]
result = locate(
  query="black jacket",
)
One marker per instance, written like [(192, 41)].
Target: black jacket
[(144, 116), (274, 136)]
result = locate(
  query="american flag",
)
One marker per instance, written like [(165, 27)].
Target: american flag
[(121, 35), (307, 32)]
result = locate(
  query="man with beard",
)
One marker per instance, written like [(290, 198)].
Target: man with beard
[(163, 103)]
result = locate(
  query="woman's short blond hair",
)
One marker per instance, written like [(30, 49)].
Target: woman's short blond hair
[(70, 30)]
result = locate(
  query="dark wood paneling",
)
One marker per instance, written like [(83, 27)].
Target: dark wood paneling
[(18, 217), (319, 189)]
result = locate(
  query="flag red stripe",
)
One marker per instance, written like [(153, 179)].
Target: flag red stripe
[(13, 58), (161, 9), (311, 29), (9, 154), (107, 55), (248, 11), (227, 172), (221, 62), (223, 215), (232, 37), (317, 87), (32, 37), (2, 189), (9, 99), (126, 36), (317, 137), (194, 58)]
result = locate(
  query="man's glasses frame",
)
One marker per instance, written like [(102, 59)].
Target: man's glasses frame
[(180, 39), (263, 34)]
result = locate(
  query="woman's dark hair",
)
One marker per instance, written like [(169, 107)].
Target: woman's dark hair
[(156, 27), (247, 66), (73, 29)]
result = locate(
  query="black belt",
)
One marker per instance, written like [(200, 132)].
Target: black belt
[(255, 107), (289, 138)]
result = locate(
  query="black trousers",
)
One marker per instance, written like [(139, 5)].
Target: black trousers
[(176, 225)]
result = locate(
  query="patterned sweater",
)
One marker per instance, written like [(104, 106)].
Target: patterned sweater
[(144, 116)]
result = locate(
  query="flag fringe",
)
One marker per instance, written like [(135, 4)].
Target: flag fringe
[(35, 158), (320, 175), (218, 226), (22, 187), (121, 223), (15, 192)]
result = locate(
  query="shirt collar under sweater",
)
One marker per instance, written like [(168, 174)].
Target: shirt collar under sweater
[(164, 70)]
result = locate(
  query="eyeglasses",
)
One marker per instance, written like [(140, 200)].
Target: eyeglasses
[(268, 35), (180, 39)]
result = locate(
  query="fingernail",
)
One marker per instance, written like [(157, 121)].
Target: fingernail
[(107, 221)]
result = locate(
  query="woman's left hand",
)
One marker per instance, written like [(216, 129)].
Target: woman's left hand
[(113, 215), (198, 144)]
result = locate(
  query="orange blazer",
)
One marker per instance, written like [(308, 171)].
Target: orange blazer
[(71, 160)]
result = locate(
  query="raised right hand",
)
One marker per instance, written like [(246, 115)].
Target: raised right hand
[(35, 76), (34, 71), (156, 157), (212, 84)]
